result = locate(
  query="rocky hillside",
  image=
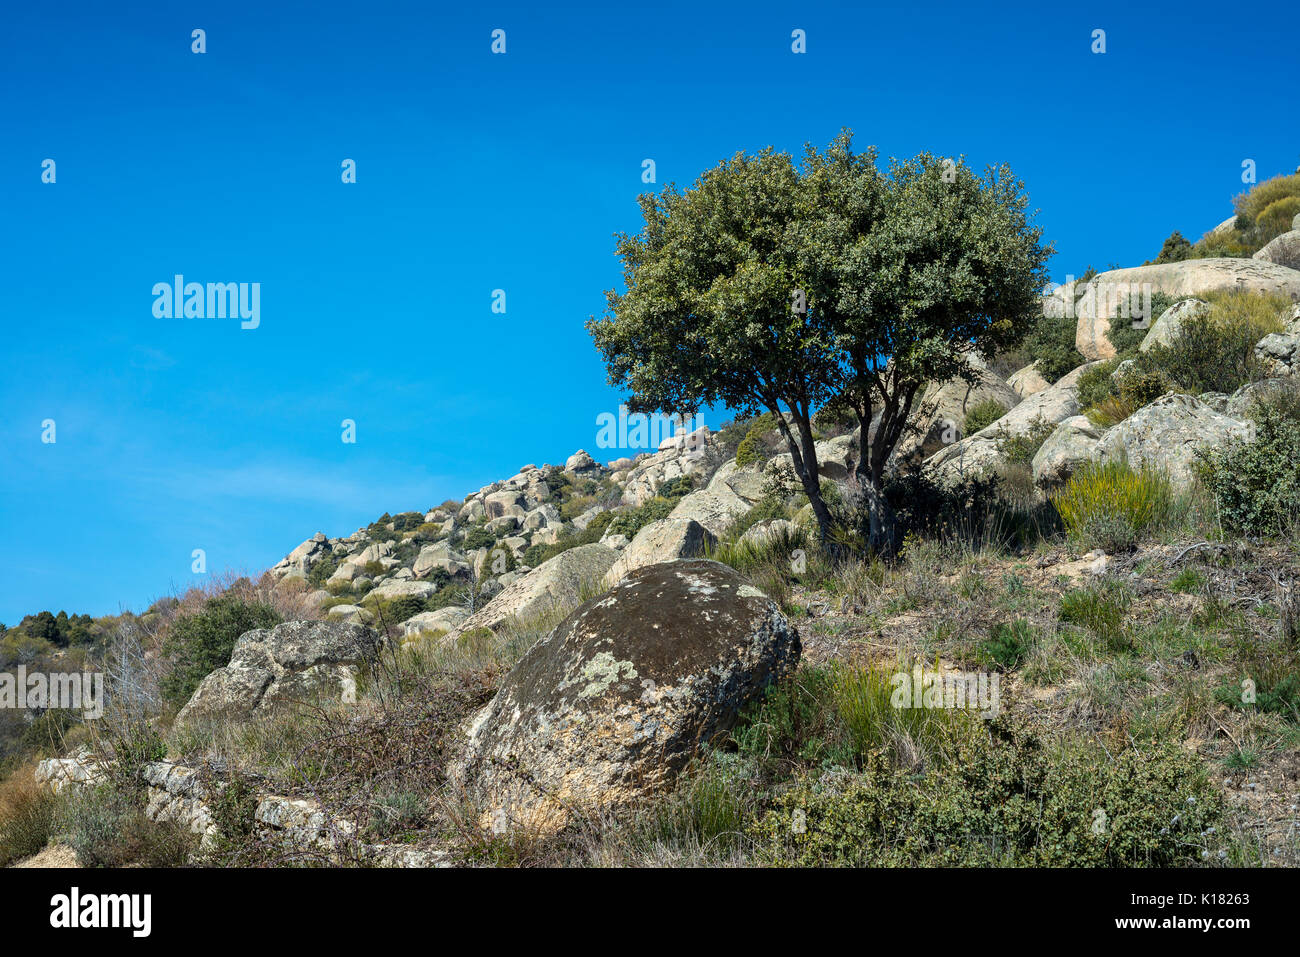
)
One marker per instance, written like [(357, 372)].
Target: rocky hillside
[(1093, 614)]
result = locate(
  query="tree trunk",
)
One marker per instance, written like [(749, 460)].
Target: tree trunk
[(806, 467)]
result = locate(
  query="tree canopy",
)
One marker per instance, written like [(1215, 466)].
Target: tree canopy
[(782, 287)]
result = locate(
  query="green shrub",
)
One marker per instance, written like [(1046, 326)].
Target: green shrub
[(1006, 799), (982, 415), (1175, 249), (1020, 448), (1218, 353), (201, 643), (1256, 485), (665, 500), (1051, 345), (1007, 644), (478, 537), (107, 827), (1097, 383), (1112, 501), (752, 449)]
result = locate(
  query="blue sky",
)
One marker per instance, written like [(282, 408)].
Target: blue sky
[(478, 172)]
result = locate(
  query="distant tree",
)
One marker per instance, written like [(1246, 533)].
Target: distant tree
[(776, 288), (1175, 249)]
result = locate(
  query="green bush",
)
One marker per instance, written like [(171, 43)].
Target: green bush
[(1097, 383), (201, 643), (752, 449), (983, 415), (1110, 504), (478, 537), (107, 827), (1256, 485), (1007, 644), (1005, 799), (1051, 345), (1215, 355), (1020, 448)]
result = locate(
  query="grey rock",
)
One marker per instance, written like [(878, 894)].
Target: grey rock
[(296, 660), (553, 587), (1072, 443), (1167, 435), (617, 699)]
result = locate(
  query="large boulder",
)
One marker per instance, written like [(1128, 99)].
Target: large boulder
[(1108, 294), (662, 541), (1027, 381), (296, 660), (1167, 435), (1279, 352), (715, 508), (981, 452), (617, 699), (442, 620), (747, 481), (1240, 403), (836, 458), (938, 419), (1173, 321), (1284, 250), (553, 587), (1072, 443)]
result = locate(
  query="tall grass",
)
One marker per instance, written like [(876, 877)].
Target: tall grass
[(1111, 504)]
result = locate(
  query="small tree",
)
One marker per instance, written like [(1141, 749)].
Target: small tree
[(770, 287)]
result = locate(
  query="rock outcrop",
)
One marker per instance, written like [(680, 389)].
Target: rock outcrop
[(1107, 294), (1167, 435), (663, 541), (1283, 250), (939, 418), (296, 660), (982, 451), (1027, 381), (614, 702), (553, 587), (1171, 323), (1073, 442)]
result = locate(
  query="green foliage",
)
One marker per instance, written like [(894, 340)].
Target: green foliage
[(1051, 344), (535, 555), (922, 263), (665, 500), (752, 450), (1005, 799), (1096, 383), (1099, 610), (842, 714), (1007, 644), (1021, 447), (478, 537), (982, 415), (1175, 249), (107, 827), (1111, 504), (1216, 354), (1256, 485), (198, 644)]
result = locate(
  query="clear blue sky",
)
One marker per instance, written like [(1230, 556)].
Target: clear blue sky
[(477, 172)]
